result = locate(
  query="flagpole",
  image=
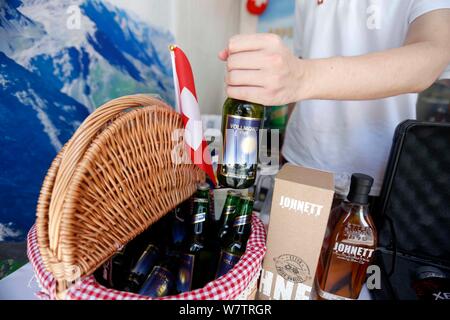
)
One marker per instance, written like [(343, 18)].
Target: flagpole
[(172, 48)]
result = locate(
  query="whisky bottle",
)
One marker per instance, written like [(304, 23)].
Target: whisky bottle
[(241, 122), (228, 214), (162, 280), (237, 240), (196, 256), (349, 250)]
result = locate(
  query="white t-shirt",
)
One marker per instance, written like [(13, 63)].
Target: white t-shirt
[(345, 137)]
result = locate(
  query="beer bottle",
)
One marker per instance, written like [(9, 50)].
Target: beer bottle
[(347, 253), (203, 192), (179, 222), (195, 260), (241, 122), (162, 280), (228, 214), (112, 273), (237, 242), (143, 267)]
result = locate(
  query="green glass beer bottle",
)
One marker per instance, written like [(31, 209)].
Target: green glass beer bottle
[(241, 122), (162, 280), (147, 260), (203, 191), (196, 256), (228, 214), (237, 241), (179, 218)]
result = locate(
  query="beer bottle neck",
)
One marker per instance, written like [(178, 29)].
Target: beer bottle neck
[(228, 212), (200, 218), (241, 224), (203, 194)]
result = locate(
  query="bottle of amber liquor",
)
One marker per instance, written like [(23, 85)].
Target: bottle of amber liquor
[(350, 248)]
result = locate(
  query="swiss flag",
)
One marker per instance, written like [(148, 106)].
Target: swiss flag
[(187, 105)]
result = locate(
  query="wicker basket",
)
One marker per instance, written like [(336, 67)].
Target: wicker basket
[(111, 181)]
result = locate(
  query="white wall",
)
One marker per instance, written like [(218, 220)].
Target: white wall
[(201, 28)]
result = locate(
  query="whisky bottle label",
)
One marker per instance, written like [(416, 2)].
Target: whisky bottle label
[(226, 262), (352, 253), (241, 220), (358, 235), (159, 283), (357, 245), (241, 141), (185, 273)]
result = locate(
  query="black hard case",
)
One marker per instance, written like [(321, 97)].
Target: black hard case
[(413, 214)]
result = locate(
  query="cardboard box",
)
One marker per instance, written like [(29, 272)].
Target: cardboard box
[(300, 208)]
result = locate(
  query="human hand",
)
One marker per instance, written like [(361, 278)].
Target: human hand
[(261, 69)]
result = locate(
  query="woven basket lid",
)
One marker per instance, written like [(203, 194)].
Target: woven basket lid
[(111, 181)]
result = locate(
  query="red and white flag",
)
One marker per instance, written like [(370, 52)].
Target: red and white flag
[(187, 105)]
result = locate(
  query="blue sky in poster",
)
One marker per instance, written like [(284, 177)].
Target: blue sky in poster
[(278, 18)]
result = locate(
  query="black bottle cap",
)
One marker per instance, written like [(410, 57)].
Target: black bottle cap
[(360, 188)]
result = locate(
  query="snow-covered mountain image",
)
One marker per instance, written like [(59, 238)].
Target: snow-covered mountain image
[(59, 60), (36, 119)]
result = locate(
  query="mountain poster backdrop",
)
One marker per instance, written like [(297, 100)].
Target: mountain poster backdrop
[(59, 60)]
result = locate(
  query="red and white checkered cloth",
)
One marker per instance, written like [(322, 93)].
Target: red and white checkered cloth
[(227, 287)]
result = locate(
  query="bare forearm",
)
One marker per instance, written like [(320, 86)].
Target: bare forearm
[(373, 76), (260, 68)]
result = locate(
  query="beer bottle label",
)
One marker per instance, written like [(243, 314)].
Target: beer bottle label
[(158, 284), (178, 215), (241, 141), (199, 217), (226, 262), (229, 210), (147, 260), (241, 220), (185, 273)]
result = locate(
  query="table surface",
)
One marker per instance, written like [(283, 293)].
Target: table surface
[(22, 285)]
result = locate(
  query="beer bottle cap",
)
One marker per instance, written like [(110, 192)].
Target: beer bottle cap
[(203, 187), (201, 200), (360, 188), (233, 193)]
